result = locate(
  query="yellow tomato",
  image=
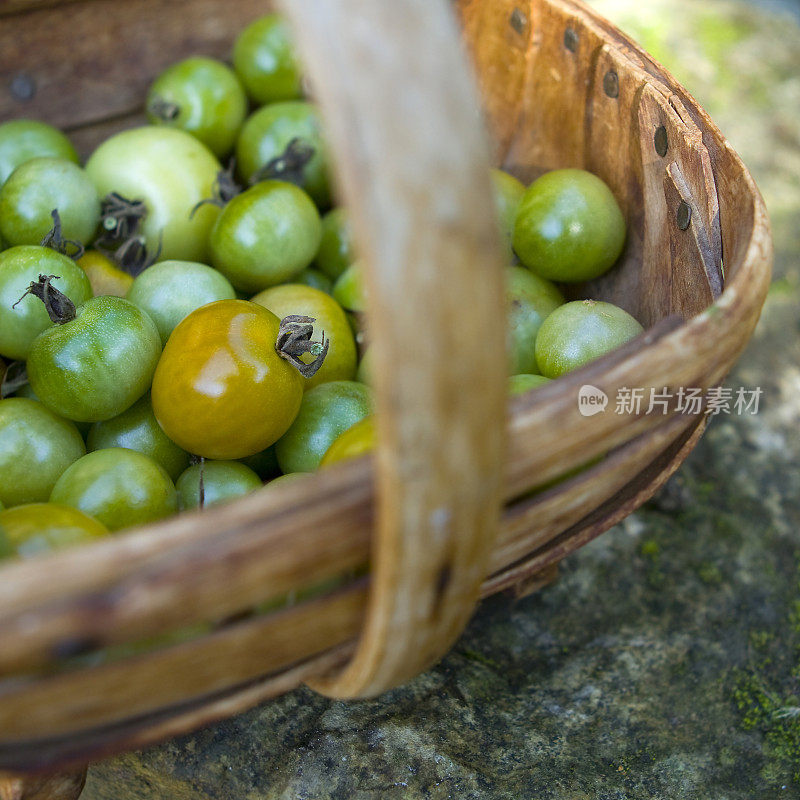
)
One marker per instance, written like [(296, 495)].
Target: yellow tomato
[(105, 276), (43, 527), (354, 442), (297, 298), (221, 390)]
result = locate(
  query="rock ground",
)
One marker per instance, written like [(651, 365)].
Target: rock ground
[(665, 663)]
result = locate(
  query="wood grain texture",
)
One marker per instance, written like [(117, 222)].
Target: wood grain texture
[(60, 786), (94, 60), (130, 730), (548, 106), (421, 207)]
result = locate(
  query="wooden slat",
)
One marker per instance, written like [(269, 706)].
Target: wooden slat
[(9, 7), (614, 510), (529, 524), (94, 60), (251, 649), (88, 137), (74, 752), (60, 786)]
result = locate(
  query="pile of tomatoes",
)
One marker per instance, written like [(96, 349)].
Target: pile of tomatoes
[(175, 332)]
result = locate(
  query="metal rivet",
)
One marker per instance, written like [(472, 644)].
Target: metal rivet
[(684, 215), (660, 140), (518, 20), (23, 86), (611, 84), (571, 40)]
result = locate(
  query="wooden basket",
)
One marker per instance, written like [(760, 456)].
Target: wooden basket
[(560, 87)]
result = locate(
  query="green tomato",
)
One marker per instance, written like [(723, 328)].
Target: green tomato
[(137, 429), (26, 391), (264, 60), (508, 192), (36, 446), (171, 172), (24, 139), (97, 365), (203, 97), (530, 299), (330, 320), (21, 322), (170, 290), (348, 290), (327, 410), (521, 384), (569, 226), (291, 477), (120, 488), (222, 481), (336, 249), (267, 133), (265, 235), (37, 187), (364, 373), (315, 279), (580, 332), (37, 528), (264, 464)]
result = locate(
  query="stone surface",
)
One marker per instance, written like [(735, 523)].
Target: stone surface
[(665, 663)]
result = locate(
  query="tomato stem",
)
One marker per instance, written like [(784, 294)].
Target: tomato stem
[(121, 218), (56, 241), (163, 109), (16, 376), (294, 340), (122, 240), (224, 189), (59, 307), (289, 165)]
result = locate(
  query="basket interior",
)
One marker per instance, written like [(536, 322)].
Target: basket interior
[(543, 71)]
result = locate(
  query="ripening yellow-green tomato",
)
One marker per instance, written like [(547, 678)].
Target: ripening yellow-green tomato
[(104, 275), (221, 390), (35, 528), (357, 440), (170, 172)]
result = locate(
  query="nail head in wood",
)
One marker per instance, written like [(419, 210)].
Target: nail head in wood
[(611, 84), (519, 20), (23, 87), (571, 39), (661, 141), (684, 215)]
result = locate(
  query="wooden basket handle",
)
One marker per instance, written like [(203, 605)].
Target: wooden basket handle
[(403, 122)]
